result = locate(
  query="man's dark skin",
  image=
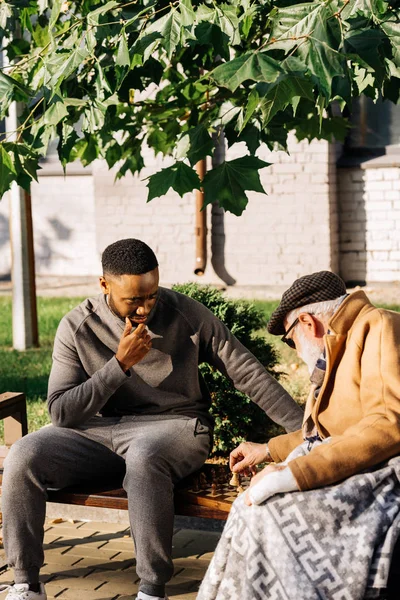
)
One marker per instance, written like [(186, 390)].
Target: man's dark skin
[(131, 298)]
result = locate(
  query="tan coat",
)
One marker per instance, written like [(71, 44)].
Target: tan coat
[(359, 402)]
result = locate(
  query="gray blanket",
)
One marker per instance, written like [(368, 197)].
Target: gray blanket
[(333, 543)]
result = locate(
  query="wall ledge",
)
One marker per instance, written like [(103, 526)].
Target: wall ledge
[(381, 158), (53, 168)]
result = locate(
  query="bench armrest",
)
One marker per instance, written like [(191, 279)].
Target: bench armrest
[(13, 411)]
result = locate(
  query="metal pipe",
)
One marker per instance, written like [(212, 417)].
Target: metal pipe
[(201, 224), (218, 219)]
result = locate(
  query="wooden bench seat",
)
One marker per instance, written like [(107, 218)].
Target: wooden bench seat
[(110, 494), (188, 502)]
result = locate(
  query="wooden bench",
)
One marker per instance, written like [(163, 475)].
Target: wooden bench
[(110, 494)]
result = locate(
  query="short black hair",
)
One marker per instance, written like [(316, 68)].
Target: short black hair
[(128, 257)]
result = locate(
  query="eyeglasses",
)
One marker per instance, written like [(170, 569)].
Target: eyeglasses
[(287, 340)]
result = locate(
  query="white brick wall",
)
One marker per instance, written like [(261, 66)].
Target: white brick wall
[(279, 237), (289, 232), (64, 226), (369, 200)]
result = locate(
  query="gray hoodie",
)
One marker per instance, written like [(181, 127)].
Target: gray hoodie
[(86, 378)]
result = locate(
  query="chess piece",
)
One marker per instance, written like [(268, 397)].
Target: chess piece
[(203, 481), (213, 489), (196, 487), (240, 490), (235, 481)]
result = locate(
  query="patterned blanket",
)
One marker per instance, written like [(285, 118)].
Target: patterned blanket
[(333, 543)]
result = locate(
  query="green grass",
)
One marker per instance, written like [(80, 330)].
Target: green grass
[(28, 371)]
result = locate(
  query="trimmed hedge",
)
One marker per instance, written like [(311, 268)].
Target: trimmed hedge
[(236, 417)]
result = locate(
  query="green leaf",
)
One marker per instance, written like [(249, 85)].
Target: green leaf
[(254, 66), (67, 140), (60, 66), (55, 113), (169, 26), (209, 34), (180, 177), (158, 140), (86, 149), (187, 13), (144, 47), (197, 143), (133, 164), (281, 93), (93, 16), (7, 171), (392, 29), (317, 36), (122, 58), (228, 183), (55, 13), (252, 104), (366, 44)]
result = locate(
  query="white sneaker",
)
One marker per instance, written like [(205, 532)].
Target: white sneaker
[(143, 596), (21, 591)]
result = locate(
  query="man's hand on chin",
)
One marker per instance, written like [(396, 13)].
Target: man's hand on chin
[(273, 479), (247, 456)]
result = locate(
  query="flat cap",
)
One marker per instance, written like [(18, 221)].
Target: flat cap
[(317, 287)]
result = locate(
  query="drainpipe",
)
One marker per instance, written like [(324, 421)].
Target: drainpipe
[(218, 219), (201, 224)]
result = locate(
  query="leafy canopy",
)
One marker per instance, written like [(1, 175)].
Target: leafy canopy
[(105, 78)]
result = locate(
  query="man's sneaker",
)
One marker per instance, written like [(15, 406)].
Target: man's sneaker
[(143, 596), (21, 591)]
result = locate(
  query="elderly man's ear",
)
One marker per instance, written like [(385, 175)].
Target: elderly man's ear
[(312, 326)]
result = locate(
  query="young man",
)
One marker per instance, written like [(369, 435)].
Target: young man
[(125, 396), (334, 537)]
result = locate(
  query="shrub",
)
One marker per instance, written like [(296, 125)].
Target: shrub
[(236, 417)]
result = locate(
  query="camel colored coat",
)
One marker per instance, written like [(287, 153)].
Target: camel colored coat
[(359, 402)]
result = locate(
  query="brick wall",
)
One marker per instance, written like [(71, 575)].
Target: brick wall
[(63, 222), (289, 232), (369, 201), (279, 237)]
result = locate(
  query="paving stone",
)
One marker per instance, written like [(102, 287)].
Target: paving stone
[(101, 563), (63, 571), (52, 550), (192, 563), (112, 588), (71, 532), (6, 577), (180, 585), (76, 583), (191, 573), (128, 576), (122, 544), (61, 559), (53, 589), (87, 595), (88, 552), (109, 527)]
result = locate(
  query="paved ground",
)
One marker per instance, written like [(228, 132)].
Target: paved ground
[(95, 561)]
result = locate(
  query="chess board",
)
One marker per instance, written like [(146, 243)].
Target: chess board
[(210, 488)]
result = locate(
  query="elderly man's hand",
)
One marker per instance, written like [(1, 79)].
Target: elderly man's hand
[(247, 456), (261, 476)]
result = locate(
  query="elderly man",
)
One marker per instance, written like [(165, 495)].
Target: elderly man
[(323, 521), (126, 397)]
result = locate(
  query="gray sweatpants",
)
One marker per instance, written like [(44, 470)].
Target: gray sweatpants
[(150, 452)]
